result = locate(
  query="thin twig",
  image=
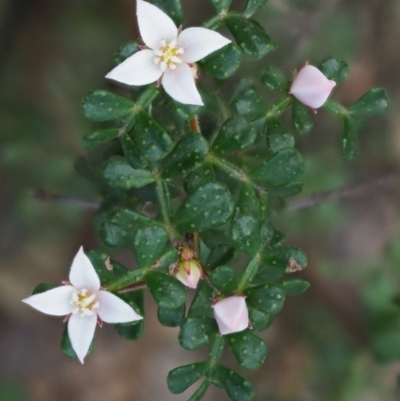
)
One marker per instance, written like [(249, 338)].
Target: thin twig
[(46, 196), (343, 193)]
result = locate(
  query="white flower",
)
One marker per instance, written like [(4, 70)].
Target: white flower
[(311, 87), (169, 55), (231, 314), (84, 302)]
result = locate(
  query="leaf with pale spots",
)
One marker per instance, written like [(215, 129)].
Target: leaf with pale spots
[(245, 234), (201, 304), (220, 255), (181, 378), (249, 104), (373, 103), (173, 8), (152, 140), (223, 63), (236, 134), (248, 203), (237, 387), (99, 138), (249, 35), (266, 275), (187, 155), (101, 105), (287, 189), (287, 258), (249, 350), (337, 70), (302, 121), (278, 137), (167, 291), (66, 346), (293, 286), (260, 321), (202, 175), (171, 317), (273, 78), (221, 5), (184, 111), (119, 227), (118, 173), (252, 6), (225, 279), (132, 154), (266, 298), (126, 50), (148, 244), (98, 260), (197, 331), (209, 206), (350, 145)]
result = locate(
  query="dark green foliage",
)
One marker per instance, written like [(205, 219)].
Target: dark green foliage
[(302, 120), (273, 78), (293, 286), (337, 70), (252, 6), (225, 279), (171, 7), (98, 138), (197, 331), (237, 387), (179, 379), (221, 5), (266, 298), (148, 244), (126, 50), (132, 154), (278, 137), (351, 127), (171, 317), (220, 255), (374, 103)]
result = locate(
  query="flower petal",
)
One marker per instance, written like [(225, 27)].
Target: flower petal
[(114, 310), (311, 87), (53, 302), (199, 43), (81, 331), (139, 69), (231, 314), (154, 25), (180, 85), (82, 273)]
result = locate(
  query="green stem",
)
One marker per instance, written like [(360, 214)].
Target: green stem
[(131, 277), (279, 107), (216, 350), (165, 207), (248, 274), (200, 391)]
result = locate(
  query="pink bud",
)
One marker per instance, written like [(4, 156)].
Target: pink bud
[(189, 273), (186, 253), (231, 314), (311, 87)]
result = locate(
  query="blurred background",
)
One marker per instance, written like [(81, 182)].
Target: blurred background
[(340, 341)]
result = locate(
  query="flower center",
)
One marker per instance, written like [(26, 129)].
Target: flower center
[(84, 302), (168, 55)]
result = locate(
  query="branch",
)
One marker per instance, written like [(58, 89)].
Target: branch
[(346, 192), (42, 195)]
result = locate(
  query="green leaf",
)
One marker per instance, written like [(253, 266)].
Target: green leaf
[(43, 287), (260, 321), (210, 205), (185, 111), (225, 279), (126, 50), (132, 154), (173, 8), (186, 156), (270, 237), (100, 105), (134, 330), (293, 286), (201, 304), (98, 138), (181, 378), (118, 173), (302, 121), (151, 139), (236, 134), (221, 5), (249, 35), (198, 394), (167, 259), (337, 70), (148, 243), (98, 260), (278, 137), (273, 78), (120, 226), (288, 258), (252, 6), (237, 387), (249, 350), (288, 189), (250, 104), (245, 234), (223, 63), (335, 108), (197, 331), (351, 127), (167, 291), (220, 255), (266, 298), (171, 317), (284, 165), (198, 177), (267, 275), (66, 346), (374, 103)]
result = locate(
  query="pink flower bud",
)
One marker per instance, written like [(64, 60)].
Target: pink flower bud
[(189, 273), (311, 87), (231, 314), (186, 253)]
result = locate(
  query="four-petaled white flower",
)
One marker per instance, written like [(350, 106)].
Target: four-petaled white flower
[(231, 314), (311, 87), (169, 55), (84, 302)]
